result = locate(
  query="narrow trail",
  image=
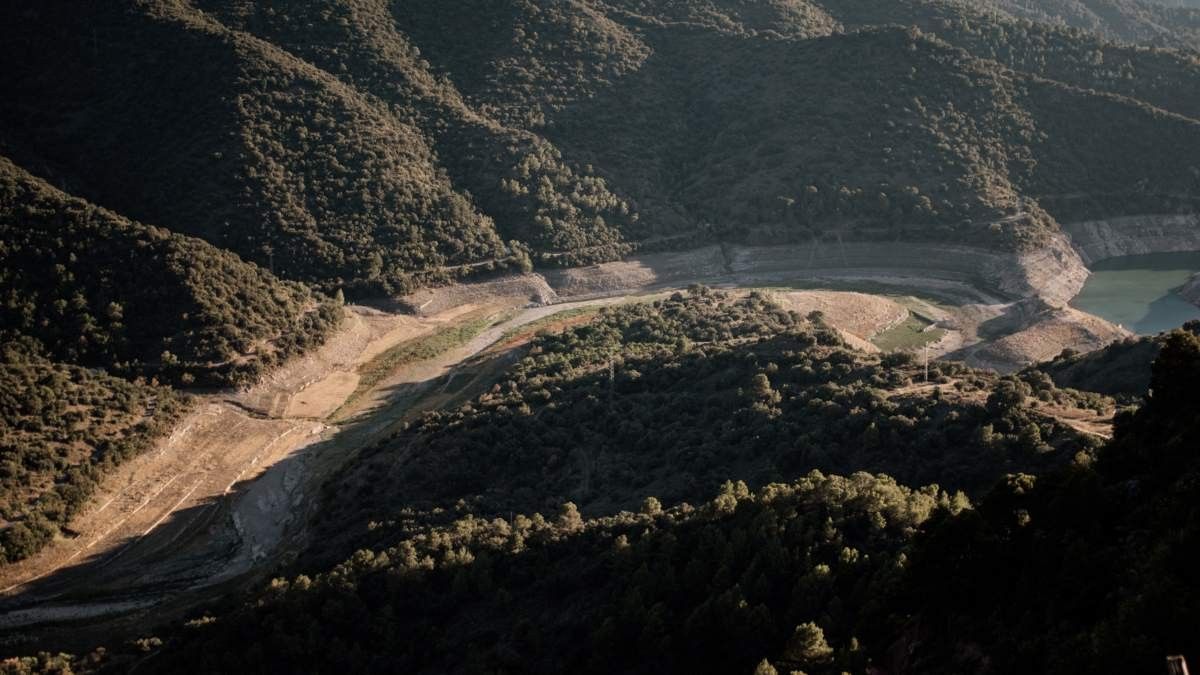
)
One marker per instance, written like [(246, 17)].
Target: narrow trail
[(1083, 420)]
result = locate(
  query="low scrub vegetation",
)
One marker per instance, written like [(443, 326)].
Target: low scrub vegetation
[(62, 429)]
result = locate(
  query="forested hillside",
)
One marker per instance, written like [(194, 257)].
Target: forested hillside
[(1166, 23), (517, 177), (223, 137), (793, 567), (715, 588), (1120, 369), (1057, 52), (372, 146), (87, 287), (61, 429), (1092, 569)]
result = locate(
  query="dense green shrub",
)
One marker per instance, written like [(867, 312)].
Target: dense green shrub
[(94, 289)]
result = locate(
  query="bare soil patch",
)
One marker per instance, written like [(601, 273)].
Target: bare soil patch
[(1044, 336), (860, 314), (322, 397)]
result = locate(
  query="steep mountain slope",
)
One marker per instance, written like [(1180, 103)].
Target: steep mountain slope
[(227, 138), (528, 59), (85, 286), (515, 176), (1111, 156), (878, 133), (803, 137), (1167, 24), (1069, 55), (750, 18), (374, 146), (716, 126)]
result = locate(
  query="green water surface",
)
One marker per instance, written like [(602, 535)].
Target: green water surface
[(1136, 291)]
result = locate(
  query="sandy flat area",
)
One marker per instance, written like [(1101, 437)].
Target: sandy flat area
[(860, 314)]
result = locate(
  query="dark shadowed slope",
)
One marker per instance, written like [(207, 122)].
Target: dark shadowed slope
[(163, 114), (84, 285)]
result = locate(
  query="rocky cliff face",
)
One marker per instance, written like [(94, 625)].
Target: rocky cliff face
[(1132, 235), (1191, 290), (1053, 273), (1050, 275)]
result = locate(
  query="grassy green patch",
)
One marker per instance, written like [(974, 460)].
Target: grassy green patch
[(549, 320), (915, 331), (420, 348), (912, 333)]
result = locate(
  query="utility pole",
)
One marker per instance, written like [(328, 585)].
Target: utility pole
[(611, 384), (925, 349)]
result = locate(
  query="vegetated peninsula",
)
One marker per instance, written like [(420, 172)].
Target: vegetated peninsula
[(593, 336)]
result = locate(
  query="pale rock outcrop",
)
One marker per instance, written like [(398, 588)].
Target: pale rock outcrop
[(1191, 290), (1096, 240)]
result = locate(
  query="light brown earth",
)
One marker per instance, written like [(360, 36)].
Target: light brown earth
[(1045, 335), (364, 333), (319, 399), (862, 315), (1082, 420)]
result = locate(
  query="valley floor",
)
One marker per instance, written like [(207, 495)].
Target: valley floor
[(221, 502)]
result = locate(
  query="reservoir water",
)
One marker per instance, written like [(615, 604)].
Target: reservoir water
[(1136, 291)]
